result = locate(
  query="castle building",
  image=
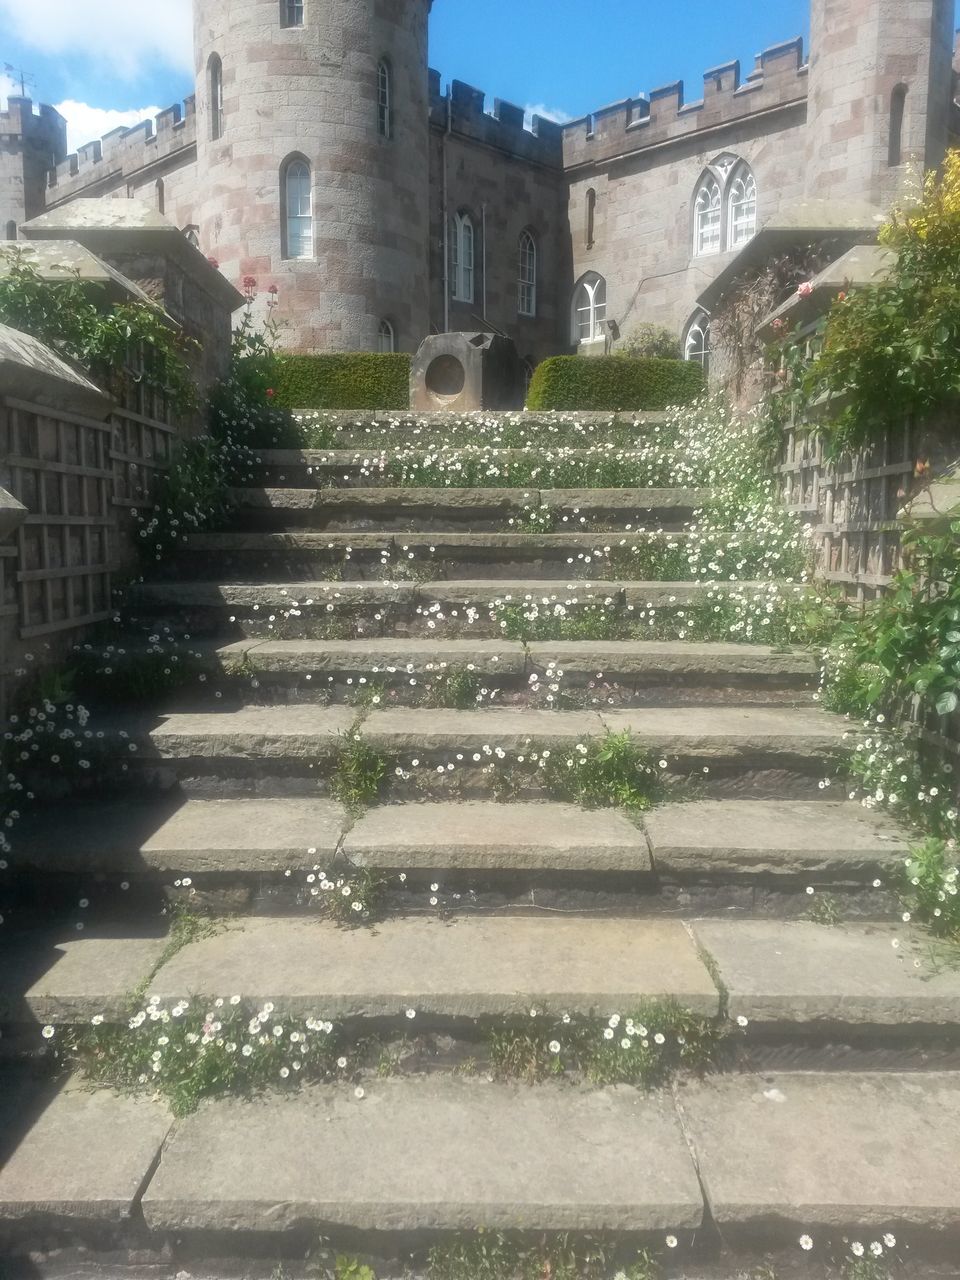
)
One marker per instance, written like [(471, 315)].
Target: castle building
[(320, 154)]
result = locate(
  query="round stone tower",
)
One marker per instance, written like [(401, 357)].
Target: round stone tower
[(881, 82), (313, 163)]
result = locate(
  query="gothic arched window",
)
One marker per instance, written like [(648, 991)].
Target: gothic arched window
[(741, 207), (725, 207), (463, 257), (589, 309), (384, 99), (898, 110), (527, 275), (696, 342), (386, 338), (709, 217), (215, 78), (296, 187)]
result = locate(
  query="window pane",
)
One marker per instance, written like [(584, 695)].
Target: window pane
[(383, 100), (527, 277), (708, 217), (293, 13), (299, 212), (743, 209)]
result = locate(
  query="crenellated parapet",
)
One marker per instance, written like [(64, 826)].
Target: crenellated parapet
[(125, 153), (778, 81), (463, 111), (43, 130)]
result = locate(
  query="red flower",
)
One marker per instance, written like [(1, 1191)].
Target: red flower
[(273, 289), (805, 289), (270, 393), (249, 282), (214, 263)]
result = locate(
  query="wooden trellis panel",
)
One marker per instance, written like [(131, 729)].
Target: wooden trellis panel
[(852, 504), (60, 469), (140, 450)]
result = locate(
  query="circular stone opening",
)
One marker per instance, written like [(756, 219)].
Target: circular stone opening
[(445, 377)]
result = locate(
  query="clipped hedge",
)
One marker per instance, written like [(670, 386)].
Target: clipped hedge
[(361, 380), (610, 383)]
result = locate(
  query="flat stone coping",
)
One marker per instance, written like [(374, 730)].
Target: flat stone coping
[(451, 497), (69, 982), (404, 729), (496, 657), (472, 968), (430, 1154), (478, 835), (797, 972), (86, 1156), (272, 596), (831, 1151), (750, 837)]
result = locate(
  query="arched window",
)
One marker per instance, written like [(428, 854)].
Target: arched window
[(11, 230), (589, 308), (741, 207), (591, 218), (527, 275), (696, 344), (291, 13), (297, 191), (215, 79), (161, 196), (708, 224), (384, 99), (463, 257), (898, 108), (386, 339)]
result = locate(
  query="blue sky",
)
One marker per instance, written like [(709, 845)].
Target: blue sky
[(103, 62)]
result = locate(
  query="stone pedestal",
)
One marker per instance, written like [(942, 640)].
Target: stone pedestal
[(461, 372)]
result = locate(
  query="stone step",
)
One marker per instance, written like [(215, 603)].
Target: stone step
[(422, 508), (752, 1161), (255, 855), (847, 984), (318, 557), (451, 607)]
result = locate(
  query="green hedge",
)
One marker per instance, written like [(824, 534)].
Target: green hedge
[(609, 383), (356, 381)]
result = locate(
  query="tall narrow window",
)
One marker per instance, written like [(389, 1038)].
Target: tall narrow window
[(386, 339), (898, 108), (708, 217), (215, 74), (527, 275), (161, 196), (696, 344), (463, 258), (741, 208), (297, 190), (291, 13), (384, 103), (591, 218), (11, 230), (589, 308)]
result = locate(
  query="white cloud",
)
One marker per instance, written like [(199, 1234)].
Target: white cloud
[(121, 36), (556, 114), (87, 124)]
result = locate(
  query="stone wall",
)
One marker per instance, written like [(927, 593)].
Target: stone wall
[(30, 143)]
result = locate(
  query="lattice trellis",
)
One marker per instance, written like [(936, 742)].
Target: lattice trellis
[(140, 450), (852, 504), (60, 469)]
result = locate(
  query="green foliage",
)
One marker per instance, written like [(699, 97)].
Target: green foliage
[(650, 342), (930, 889), (493, 1255), (192, 495), (358, 773), (113, 343), (645, 1049), (347, 1267), (361, 380), (606, 772), (613, 384), (892, 350), (351, 899), (201, 1049)]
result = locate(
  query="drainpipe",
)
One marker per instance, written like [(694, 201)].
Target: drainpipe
[(446, 215), (483, 250)]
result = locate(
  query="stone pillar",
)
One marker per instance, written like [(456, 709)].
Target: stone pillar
[(880, 95), (311, 92)]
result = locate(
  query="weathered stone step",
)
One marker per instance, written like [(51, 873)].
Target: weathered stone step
[(423, 508), (669, 663), (849, 984), (450, 607), (771, 1157)]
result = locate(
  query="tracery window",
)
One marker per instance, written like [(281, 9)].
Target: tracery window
[(696, 343), (384, 100), (527, 275), (297, 190), (725, 207), (463, 257), (589, 308)]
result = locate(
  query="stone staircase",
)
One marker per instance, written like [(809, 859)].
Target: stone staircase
[(343, 608)]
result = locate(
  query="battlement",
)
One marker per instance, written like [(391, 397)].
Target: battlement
[(463, 111), (44, 129), (778, 80), (123, 153)]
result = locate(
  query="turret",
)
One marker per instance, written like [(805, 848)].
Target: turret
[(31, 143), (880, 95), (313, 162)]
